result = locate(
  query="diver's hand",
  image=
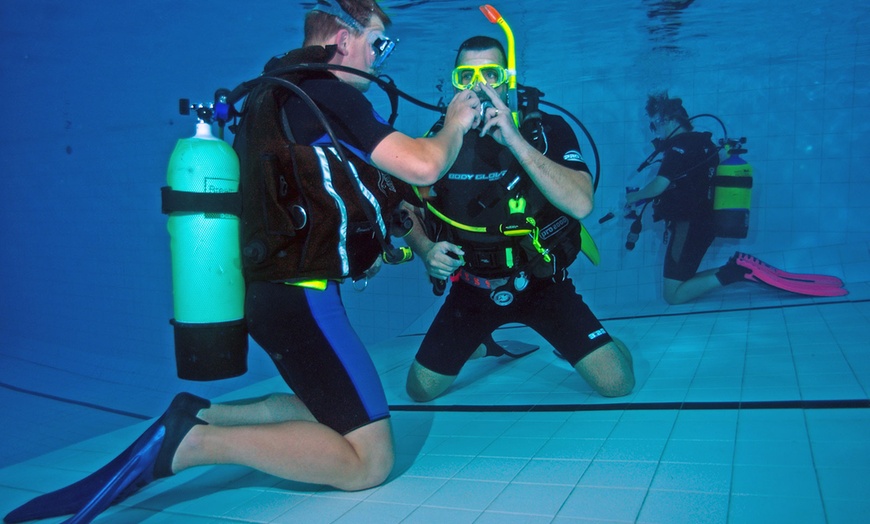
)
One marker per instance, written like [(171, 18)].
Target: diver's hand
[(630, 200), (443, 259), (635, 198), (498, 120), (463, 110)]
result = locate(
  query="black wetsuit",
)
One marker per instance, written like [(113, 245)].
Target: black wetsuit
[(689, 161)]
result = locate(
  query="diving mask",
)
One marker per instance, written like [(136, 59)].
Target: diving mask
[(656, 123), (465, 76), (383, 47)]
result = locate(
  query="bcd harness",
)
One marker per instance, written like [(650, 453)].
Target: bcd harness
[(308, 212), (538, 240), (688, 194)]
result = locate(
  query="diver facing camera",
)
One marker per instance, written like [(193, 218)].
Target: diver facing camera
[(504, 225)]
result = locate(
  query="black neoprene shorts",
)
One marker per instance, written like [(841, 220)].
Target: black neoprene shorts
[(468, 315), (314, 347)]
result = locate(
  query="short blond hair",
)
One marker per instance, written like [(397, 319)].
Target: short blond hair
[(320, 26)]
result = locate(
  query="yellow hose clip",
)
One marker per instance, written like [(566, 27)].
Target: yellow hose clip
[(536, 242)]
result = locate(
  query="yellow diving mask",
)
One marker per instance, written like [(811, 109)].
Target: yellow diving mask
[(465, 76)]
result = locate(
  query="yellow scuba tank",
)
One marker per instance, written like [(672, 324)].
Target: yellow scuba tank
[(732, 192), (208, 288)]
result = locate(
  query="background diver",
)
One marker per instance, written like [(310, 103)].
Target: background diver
[(681, 196)]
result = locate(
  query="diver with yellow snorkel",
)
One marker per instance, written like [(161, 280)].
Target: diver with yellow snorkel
[(504, 225)]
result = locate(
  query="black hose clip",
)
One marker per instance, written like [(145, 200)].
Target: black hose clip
[(400, 223), (397, 255)]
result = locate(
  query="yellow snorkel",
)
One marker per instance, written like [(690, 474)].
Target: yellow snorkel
[(493, 16)]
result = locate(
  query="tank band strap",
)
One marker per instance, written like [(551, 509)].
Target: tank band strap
[(173, 201), (733, 181)]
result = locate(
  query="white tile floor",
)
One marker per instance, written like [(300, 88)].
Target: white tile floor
[(756, 414)]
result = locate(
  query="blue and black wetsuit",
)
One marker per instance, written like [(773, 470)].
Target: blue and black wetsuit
[(306, 330)]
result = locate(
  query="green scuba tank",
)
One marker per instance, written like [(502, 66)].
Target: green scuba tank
[(208, 288), (732, 193)]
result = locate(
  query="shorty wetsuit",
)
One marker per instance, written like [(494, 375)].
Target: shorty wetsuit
[(306, 331)]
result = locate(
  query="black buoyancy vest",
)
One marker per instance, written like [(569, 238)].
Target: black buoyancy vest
[(301, 216), (688, 197), (475, 173)]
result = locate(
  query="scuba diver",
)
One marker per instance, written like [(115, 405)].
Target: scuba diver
[(682, 193), (503, 226), (336, 429)]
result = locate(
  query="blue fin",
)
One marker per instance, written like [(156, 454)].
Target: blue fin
[(148, 458), (72, 498), (135, 474), (510, 348)]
